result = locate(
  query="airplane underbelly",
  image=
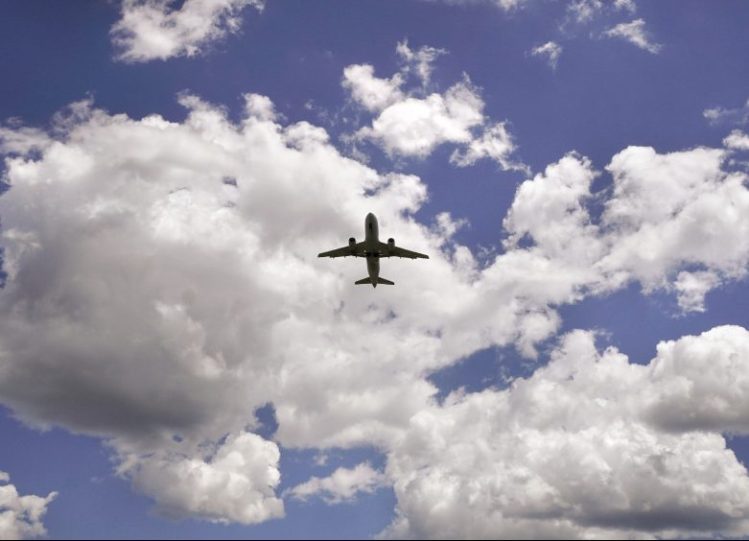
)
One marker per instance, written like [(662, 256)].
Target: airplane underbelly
[(373, 266)]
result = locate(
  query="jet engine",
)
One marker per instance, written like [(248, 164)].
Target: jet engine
[(391, 243), (352, 243)]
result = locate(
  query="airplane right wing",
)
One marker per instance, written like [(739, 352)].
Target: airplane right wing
[(397, 251), (357, 250)]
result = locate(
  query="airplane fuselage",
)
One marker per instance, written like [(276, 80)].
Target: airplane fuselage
[(372, 243)]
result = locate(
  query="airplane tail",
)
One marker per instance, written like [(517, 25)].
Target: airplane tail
[(368, 280)]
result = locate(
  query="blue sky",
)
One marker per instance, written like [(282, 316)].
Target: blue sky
[(585, 213)]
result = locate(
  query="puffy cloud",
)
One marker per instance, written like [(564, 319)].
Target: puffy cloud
[(701, 382), (372, 92), (589, 446), (665, 213), (737, 140), (154, 288), (260, 107), (415, 126), (635, 33), (413, 123), (670, 210), (692, 287), (550, 50), (21, 516), (153, 30), (343, 485), (495, 143), (236, 483)]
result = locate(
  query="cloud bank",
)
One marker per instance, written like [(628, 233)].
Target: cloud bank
[(163, 285)]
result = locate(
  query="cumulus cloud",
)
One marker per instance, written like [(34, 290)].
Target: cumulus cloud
[(237, 483), (416, 126), (591, 445), (635, 33), (550, 50), (21, 516), (343, 485), (372, 92), (495, 143), (692, 287), (737, 140), (154, 287), (156, 30), (665, 213), (413, 123)]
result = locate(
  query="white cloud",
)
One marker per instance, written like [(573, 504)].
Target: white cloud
[(412, 123), (675, 209), (343, 485), (701, 383), (237, 483), (154, 287), (551, 50), (737, 140), (154, 30), (372, 92), (152, 278), (692, 288), (625, 5), (415, 127), (589, 446), (509, 5), (419, 61), (635, 33), (496, 143), (21, 516), (260, 107), (665, 213), (584, 11), (721, 115), (504, 5), (23, 140)]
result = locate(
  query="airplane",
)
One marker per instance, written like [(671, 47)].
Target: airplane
[(373, 250)]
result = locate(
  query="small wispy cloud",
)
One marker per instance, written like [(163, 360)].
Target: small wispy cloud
[(720, 115), (635, 33), (549, 50), (343, 485)]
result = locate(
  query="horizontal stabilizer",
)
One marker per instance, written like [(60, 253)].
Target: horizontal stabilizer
[(368, 280)]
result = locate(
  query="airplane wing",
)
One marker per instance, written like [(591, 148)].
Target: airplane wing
[(357, 250), (397, 251)]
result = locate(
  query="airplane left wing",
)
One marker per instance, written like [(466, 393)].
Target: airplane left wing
[(356, 250), (397, 251)]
